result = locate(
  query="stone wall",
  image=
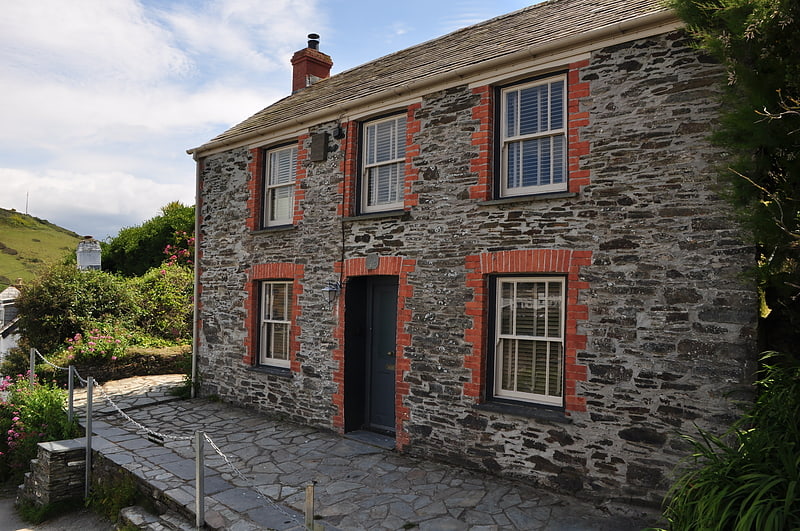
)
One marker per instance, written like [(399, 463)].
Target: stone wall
[(668, 326), (57, 474)]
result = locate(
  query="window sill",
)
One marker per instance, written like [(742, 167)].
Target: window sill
[(377, 215), (533, 411), (276, 228), (521, 198), (282, 372)]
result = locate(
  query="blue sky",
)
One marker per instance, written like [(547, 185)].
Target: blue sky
[(100, 99)]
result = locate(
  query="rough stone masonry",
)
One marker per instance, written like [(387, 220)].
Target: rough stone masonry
[(669, 327)]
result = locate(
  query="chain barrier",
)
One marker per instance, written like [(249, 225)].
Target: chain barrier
[(163, 436), (249, 481), (141, 427), (48, 362)]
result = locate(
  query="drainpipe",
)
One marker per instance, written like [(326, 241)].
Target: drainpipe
[(196, 280)]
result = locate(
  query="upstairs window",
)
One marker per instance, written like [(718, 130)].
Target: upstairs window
[(383, 164), (279, 181), (529, 340), (275, 323), (533, 138)]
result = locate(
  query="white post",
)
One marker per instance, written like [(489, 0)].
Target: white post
[(89, 385), (32, 372), (70, 391), (199, 487)]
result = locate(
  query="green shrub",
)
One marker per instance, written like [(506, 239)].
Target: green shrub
[(29, 414), (166, 302), (750, 478), (64, 301)]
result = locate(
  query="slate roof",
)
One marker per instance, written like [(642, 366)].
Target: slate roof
[(531, 27)]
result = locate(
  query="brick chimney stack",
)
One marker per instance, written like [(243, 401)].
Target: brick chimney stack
[(310, 65)]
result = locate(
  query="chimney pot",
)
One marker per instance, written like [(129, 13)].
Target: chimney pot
[(313, 41)]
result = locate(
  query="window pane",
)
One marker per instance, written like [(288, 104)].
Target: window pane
[(557, 104), (554, 309), (280, 341), (280, 203), (508, 364), (533, 106), (541, 366), (282, 166), (530, 162), (555, 378), (513, 173), (280, 306), (384, 184), (526, 309), (511, 113), (559, 160), (506, 310), (526, 371)]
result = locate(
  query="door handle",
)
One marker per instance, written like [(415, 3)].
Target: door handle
[(390, 353)]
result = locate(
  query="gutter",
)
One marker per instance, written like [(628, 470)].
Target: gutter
[(653, 20)]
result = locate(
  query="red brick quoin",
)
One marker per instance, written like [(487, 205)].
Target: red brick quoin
[(388, 265), (275, 271), (557, 261)]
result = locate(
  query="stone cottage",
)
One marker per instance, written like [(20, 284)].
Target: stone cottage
[(503, 248)]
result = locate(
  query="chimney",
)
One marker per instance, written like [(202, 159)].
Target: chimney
[(310, 65)]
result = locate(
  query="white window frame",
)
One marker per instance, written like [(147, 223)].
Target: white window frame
[(369, 200), (269, 324), (554, 344), (272, 188), (549, 133)]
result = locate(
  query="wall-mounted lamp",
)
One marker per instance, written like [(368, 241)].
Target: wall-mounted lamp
[(332, 290)]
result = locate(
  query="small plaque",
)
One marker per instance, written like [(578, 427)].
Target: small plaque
[(373, 261), (319, 147)]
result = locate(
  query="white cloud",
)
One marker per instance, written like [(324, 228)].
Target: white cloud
[(102, 98), (90, 203)]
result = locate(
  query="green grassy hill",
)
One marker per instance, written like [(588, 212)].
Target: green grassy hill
[(27, 243)]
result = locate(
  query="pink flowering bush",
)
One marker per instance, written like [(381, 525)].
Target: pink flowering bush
[(29, 415), (101, 343), (181, 251)]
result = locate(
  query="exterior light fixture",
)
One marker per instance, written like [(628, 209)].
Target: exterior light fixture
[(332, 290)]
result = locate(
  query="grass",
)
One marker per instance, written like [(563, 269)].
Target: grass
[(27, 243)]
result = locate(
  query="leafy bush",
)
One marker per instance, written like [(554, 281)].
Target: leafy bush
[(64, 301), (29, 415), (166, 302), (749, 479)]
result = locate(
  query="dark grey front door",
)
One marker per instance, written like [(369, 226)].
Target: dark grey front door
[(382, 313), (370, 344)]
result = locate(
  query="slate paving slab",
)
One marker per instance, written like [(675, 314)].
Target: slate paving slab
[(360, 484)]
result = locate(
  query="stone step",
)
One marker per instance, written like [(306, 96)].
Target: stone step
[(144, 520)]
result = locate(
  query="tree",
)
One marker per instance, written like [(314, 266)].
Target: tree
[(136, 249), (758, 41)]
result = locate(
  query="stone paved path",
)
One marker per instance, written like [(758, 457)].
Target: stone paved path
[(358, 485)]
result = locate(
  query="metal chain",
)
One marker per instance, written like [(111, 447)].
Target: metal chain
[(47, 362), (249, 481), (137, 424)]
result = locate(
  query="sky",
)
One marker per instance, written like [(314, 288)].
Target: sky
[(100, 99)]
